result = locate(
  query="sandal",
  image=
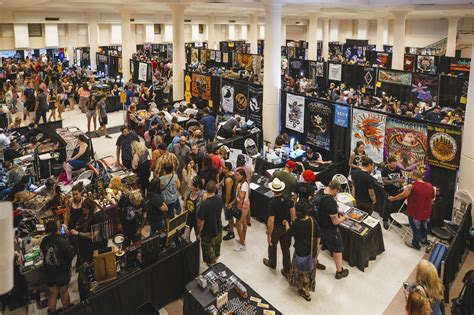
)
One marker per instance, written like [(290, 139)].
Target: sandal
[(304, 296)]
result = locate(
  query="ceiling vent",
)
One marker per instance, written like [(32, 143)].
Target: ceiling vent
[(51, 19), (231, 21), (187, 21)]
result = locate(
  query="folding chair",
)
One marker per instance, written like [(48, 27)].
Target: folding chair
[(402, 219), (341, 179)]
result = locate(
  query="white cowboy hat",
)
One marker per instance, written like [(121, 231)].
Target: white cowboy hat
[(277, 185)]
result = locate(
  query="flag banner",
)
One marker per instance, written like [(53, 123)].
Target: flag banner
[(318, 124), (444, 146), (369, 127), (201, 86), (295, 112), (395, 77)]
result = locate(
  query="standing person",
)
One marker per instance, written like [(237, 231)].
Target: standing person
[(355, 161), (156, 207), (182, 151), (41, 108), (129, 95), (132, 216), (329, 220), (102, 113), (392, 181), (124, 147), (188, 173), (305, 189), (84, 97), (286, 176), (192, 202), (170, 185), (57, 258), (71, 90), (427, 277), (242, 202), (91, 113), (420, 196), (209, 225), (53, 104), (166, 87), (29, 100), (228, 197), (141, 164), (363, 187), (208, 123), (280, 209), (306, 232), (208, 172)]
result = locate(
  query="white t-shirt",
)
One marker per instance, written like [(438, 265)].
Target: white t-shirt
[(245, 188)]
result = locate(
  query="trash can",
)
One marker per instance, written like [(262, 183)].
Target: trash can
[(471, 239)]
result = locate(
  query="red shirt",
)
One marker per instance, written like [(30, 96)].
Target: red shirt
[(216, 162), (420, 201)]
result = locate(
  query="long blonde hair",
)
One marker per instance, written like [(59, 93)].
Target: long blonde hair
[(139, 148), (427, 276)]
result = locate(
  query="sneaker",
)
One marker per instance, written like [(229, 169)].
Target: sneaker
[(385, 225), (227, 228), (229, 236), (266, 262), (237, 240), (342, 274), (320, 266), (409, 244), (108, 137), (240, 248)]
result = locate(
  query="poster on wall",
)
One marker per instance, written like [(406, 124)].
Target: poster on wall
[(320, 69), (369, 127), (241, 100), (201, 86), (225, 57), (368, 80), (194, 56), (243, 61), (256, 104), (341, 116), (335, 72), (425, 87), (408, 142), (425, 64), (460, 64), (227, 93), (218, 56), (318, 124), (395, 77), (295, 113), (142, 71), (444, 146), (120, 65), (213, 55), (409, 63), (203, 56), (382, 59)]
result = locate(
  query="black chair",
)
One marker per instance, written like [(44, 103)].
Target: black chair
[(147, 309)]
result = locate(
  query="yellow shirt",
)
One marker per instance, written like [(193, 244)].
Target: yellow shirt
[(187, 80)]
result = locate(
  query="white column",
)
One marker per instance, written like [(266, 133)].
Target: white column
[(452, 36), (334, 31), (283, 31), (382, 32), (71, 39), (466, 180), (362, 29), (325, 51), (211, 32), (313, 37), (177, 11), (272, 71), (93, 37), (253, 34), (127, 43), (399, 39)]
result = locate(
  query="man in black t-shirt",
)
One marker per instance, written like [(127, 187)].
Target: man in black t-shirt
[(57, 258), (392, 180), (280, 209), (124, 147), (329, 219), (363, 188), (209, 225)]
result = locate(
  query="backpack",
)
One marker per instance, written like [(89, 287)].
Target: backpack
[(315, 202), (464, 303)]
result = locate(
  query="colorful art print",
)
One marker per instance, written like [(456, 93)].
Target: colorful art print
[(425, 64), (203, 56), (369, 127), (218, 56), (356, 214), (291, 52), (408, 142), (320, 69), (395, 77), (295, 113), (227, 92), (444, 146), (201, 86), (424, 86), (244, 61), (213, 55), (409, 62), (194, 56), (369, 76), (382, 59), (335, 72), (225, 57), (319, 125), (460, 64), (341, 116)]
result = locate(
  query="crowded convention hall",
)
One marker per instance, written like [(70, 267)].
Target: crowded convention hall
[(262, 157)]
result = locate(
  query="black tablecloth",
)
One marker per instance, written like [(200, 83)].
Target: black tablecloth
[(238, 141), (259, 198), (196, 299), (160, 283), (359, 250)]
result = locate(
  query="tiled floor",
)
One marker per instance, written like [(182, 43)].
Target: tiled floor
[(368, 292)]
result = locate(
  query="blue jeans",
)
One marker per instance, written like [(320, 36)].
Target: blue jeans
[(39, 115), (171, 209), (5, 192), (420, 231)]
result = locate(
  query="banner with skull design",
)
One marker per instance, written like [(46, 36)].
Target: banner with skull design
[(294, 113), (241, 100), (256, 104), (318, 124)]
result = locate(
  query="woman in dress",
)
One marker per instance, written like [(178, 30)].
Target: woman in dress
[(141, 164), (52, 104), (306, 233), (243, 205), (91, 113)]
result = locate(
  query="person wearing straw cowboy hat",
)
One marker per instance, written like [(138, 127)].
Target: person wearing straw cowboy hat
[(280, 208)]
